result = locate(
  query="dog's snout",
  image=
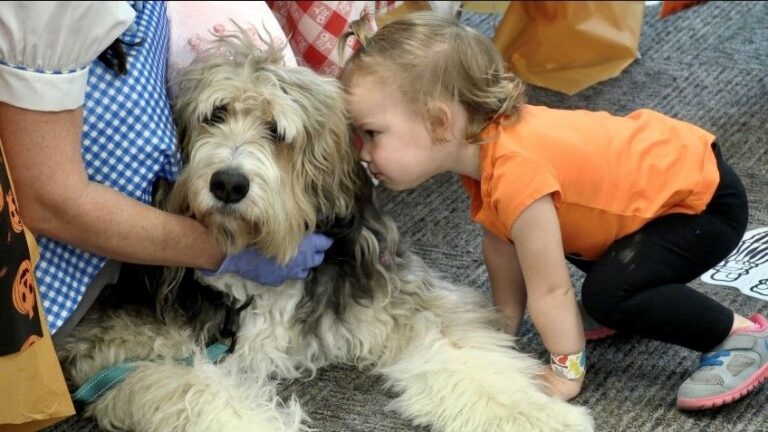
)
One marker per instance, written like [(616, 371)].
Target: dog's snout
[(229, 186)]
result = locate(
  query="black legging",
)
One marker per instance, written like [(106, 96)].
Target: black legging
[(638, 285)]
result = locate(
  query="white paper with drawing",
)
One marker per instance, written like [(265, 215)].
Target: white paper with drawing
[(746, 268)]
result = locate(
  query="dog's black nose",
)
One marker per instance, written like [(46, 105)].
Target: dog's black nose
[(229, 186)]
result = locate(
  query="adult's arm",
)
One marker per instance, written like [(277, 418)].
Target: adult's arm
[(57, 200)]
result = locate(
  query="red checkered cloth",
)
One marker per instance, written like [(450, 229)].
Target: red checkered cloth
[(314, 28)]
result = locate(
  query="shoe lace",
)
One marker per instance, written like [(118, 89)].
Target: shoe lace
[(713, 358)]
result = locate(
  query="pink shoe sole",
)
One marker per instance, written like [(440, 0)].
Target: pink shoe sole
[(725, 398), (598, 333)]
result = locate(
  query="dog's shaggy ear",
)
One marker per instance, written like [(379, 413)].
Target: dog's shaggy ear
[(325, 165), (177, 200), (367, 251), (182, 134)]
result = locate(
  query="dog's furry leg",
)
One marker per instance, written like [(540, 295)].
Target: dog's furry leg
[(456, 373), (165, 395), (174, 397)]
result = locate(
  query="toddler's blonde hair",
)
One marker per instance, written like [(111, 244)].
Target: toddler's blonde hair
[(433, 59)]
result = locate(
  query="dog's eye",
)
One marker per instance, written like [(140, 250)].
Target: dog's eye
[(218, 115), (274, 134)]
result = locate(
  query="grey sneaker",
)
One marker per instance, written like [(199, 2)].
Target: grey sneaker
[(593, 330), (733, 369)]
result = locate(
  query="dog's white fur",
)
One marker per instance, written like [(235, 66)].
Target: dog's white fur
[(372, 303)]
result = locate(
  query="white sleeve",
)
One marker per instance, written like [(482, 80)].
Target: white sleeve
[(46, 48)]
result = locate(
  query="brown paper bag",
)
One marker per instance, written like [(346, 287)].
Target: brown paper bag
[(568, 46), (402, 9), (34, 394)]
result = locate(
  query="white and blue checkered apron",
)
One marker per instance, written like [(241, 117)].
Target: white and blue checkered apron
[(128, 142)]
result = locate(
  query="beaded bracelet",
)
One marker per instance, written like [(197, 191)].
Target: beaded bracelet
[(570, 367)]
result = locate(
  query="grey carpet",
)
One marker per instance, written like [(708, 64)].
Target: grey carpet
[(706, 65)]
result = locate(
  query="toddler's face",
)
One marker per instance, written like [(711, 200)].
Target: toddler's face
[(395, 141)]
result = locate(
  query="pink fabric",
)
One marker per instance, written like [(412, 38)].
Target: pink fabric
[(193, 25), (314, 28), (759, 324)]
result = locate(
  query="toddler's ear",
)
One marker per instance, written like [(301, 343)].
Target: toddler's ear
[(440, 122), (447, 121)]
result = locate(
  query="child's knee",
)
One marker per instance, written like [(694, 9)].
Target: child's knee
[(602, 302)]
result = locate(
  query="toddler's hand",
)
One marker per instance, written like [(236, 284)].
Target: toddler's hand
[(253, 265), (557, 386)]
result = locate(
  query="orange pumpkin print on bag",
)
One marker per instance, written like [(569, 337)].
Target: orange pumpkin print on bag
[(24, 290), (29, 342), (13, 210)]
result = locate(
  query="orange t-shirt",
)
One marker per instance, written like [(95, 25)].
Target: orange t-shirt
[(608, 175)]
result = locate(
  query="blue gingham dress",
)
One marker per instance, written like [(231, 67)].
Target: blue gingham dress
[(128, 142)]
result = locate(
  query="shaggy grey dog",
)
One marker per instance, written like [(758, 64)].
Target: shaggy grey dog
[(268, 159)]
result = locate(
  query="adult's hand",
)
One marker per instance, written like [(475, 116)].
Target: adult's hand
[(253, 265)]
